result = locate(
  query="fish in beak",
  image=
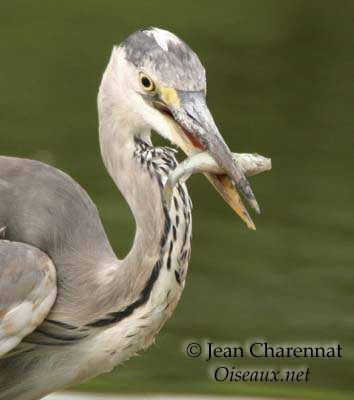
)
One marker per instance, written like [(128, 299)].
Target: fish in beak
[(195, 131)]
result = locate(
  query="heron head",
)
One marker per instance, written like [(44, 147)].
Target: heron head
[(162, 82)]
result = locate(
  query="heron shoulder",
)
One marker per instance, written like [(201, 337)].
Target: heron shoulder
[(46, 208)]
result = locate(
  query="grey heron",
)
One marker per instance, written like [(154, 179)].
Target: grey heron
[(69, 308)]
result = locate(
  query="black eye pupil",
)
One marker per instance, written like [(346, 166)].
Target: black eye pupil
[(146, 82)]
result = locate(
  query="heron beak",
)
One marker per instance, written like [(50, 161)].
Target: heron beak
[(195, 131)]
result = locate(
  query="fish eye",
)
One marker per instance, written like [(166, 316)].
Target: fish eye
[(147, 84)]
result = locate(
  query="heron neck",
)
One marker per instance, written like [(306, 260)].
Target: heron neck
[(142, 193)]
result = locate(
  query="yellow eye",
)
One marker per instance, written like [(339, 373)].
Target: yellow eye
[(147, 83)]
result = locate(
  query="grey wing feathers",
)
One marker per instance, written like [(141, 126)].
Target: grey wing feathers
[(27, 291), (42, 206)]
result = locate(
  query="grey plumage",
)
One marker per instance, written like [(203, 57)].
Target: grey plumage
[(45, 208), (56, 217), (179, 67), (27, 291), (69, 308)]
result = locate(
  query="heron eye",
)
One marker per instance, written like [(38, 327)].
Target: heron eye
[(147, 83)]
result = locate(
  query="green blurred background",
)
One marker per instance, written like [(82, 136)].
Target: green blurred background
[(281, 83)]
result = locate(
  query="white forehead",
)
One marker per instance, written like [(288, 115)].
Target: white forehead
[(162, 37)]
